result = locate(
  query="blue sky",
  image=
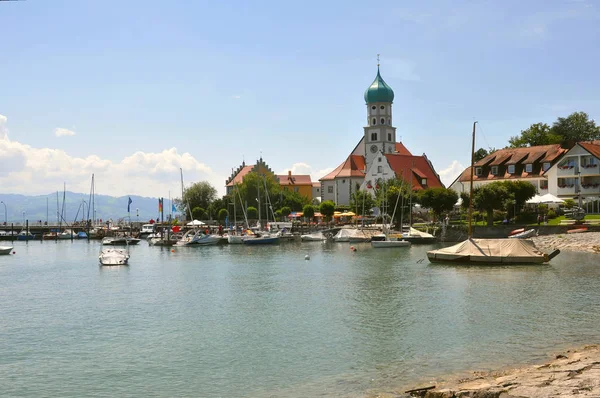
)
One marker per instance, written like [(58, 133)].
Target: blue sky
[(225, 81)]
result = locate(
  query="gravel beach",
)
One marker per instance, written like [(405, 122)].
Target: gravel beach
[(581, 242)]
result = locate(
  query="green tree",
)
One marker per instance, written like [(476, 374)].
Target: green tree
[(439, 200), (309, 212), (200, 194), (362, 200), (293, 200), (490, 197), (223, 213), (278, 214), (536, 134), (254, 184), (218, 204), (519, 192), (327, 208), (198, 213), (569, 203), (576, 127), (482, 152), (466, 198), (285, 211), (252, 213)]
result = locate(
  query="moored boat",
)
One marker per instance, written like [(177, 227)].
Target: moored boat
[(111, 256), (5, 249), (415, 236), (120, 241), (265, 239), (388, 241), (196, 237), (492, 252), (314, 237), (523, 234)]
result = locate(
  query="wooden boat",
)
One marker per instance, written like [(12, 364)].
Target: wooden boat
[(577, 230), (5, 250), (523, 234), (112, 256)]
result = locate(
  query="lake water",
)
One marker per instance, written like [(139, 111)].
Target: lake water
[(238, 321)]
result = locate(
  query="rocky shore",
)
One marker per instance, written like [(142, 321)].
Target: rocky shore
[(581, 242), (575, 373)]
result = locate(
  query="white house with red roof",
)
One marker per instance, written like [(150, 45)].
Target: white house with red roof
[(377, 156)]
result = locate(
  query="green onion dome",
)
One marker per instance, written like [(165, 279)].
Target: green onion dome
[(379, 91)]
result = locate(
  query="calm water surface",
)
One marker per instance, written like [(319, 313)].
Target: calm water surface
[(261, 321)]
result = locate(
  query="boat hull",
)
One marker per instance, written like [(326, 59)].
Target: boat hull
[(235, 239), (389, 243), (5, 250), (114, 257), (262, 241)]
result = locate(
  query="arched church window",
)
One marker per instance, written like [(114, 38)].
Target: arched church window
[(373, 107), (382, 121), (389, 136), (374, 122), (373, 136), (382, 107)]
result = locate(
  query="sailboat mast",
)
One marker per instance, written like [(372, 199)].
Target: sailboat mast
[(471, 182), (259, 205)]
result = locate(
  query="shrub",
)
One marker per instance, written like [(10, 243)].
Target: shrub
[(551, 214)]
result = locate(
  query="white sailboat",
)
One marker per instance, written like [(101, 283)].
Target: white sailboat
[(385, 239)]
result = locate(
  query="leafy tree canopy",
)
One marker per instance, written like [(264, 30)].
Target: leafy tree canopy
[(362, 202), (565, 130), (439, 200), (252, 213), (200, 194), (308, 211), (327, 208), (198, 213), (253, 184), (482, 152), (490, 197), (223, 213)]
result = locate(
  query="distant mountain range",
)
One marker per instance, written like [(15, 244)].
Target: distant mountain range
[(36, 207)]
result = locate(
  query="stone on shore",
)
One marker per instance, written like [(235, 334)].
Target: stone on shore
[(581, 242)]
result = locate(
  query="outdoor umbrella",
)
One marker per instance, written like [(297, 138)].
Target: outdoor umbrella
[(549, 198)]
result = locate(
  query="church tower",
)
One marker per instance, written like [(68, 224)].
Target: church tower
[(379, 133)]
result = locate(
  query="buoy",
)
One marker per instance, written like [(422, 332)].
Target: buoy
[(14, 252), (172, 250), (307, 257), (352, 248)]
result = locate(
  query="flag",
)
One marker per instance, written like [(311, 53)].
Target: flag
[(129, 205), (160, 205), (173, 209)]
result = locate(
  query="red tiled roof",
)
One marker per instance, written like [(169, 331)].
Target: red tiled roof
[(401, 149), (239, 177), (296, 179), (353, 166), (592, 147), (316, 184), (420, 167)]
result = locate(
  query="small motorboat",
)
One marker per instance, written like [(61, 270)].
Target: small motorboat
[(67, 234), (388, 241), (418, 237), (516, 231), (577, 230), (314, 237), (120, 241), (5, 249), (263, 239), (198, 238), (111, 256), (523, 234)]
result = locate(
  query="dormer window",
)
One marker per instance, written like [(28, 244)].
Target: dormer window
[(495, 170), (511, 169), (529, 168), (478, 171), (423, 181), (546, 166)]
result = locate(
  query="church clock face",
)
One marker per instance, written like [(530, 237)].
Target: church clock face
[(373, 148)]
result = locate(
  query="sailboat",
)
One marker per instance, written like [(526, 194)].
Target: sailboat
[(263, 237), (386, 240), (233, 237), (489, 251)]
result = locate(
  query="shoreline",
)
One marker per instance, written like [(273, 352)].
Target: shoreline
[(579, 242), (570, 373)]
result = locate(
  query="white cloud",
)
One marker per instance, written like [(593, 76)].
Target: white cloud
[(60, 132), (303, 168), (449, 174), (3, 129), (33, 171)]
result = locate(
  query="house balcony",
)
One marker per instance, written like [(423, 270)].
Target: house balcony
[(565, 171), (590, 170), (566, 190), (590, 189)]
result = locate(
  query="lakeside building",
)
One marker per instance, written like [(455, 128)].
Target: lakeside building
[(566, 173), (300, 183), (377, 156)]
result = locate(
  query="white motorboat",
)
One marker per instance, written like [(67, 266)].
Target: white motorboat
[(198, 238), (523, 235), (236, 239), (5, 249), (146, 231), (120, 241), (314, 237), (112, 256), (387, 241), (67, 234), (415, 236)]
